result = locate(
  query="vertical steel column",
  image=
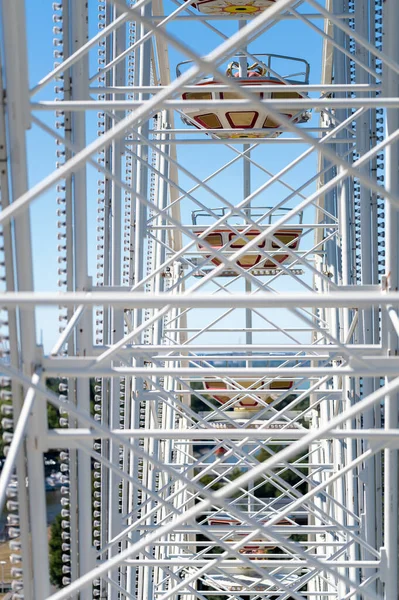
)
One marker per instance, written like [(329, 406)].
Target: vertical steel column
[(158, 194), (70, 282), (114, 517), (376, 137), (79, 74), (105, 228), (328, 410), (246, 173), (144, 79), (339, 202), (248, 284), (391, 90), (18, 114), (342, 76), (38, 509), (139, 225), (246, 193), (177, 455), (318, 450), (16, 389), (362, 146)]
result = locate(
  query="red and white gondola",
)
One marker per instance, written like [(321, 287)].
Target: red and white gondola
[(244, 581), (225, 240), (254, 549), (249, 122), (248, 8), (257, 395), (240, 576)]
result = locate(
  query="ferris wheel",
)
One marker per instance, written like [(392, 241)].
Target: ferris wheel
[(199, 303)]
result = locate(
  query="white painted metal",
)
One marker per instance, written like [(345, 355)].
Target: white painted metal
[(229, 407)]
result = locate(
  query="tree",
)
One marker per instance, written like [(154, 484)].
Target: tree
[(55, 552), (53, 416), (268, 489), (55, 544), (197, 404)]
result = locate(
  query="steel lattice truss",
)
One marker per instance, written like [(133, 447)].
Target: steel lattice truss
[(227, 357)]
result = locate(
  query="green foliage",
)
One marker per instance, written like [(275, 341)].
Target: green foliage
[(92, 394), (205, 588), (55, 552), (303, 405), (55, 543), (197, 404), (262, 455), (53, 417), (283, 403), (267, 489), (52, 383), (207, 480)]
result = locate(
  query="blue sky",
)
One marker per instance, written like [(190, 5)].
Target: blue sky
[(289, 38)]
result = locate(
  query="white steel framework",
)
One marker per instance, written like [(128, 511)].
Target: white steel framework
[(226, 210)]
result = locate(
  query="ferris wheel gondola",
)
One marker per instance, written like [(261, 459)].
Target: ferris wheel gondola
[(251, 121), (257, 547), (254, 583), (236, 577), (226, 239), (247, 8), (251, 394)]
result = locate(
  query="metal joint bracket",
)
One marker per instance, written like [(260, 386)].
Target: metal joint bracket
[(383, 571), (384, 283), (364, 475)]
